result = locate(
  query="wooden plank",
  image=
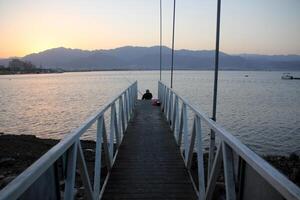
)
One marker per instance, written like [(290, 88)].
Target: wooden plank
[(149, 165)]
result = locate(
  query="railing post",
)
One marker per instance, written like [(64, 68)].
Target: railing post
[(165, 100), (200, 161), (121, 117), (185, 132), (98, 155), (162, 100), (170, 108), (228, 172), (167, 104), (127, 106), (136, 91), (192, 145), (158, 90), (112, 131), (213, 176), (71, 171), (179, 139), (116, 127), (129, 102), (84, 173), (211, 154), (105, 144), (175, 116), (125, 110)]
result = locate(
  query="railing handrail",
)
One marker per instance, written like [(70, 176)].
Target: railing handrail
[(23, 181), (283, 185)]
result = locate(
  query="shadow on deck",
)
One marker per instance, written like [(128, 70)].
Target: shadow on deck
[(149, 164)]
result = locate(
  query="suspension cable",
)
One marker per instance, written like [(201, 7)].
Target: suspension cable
[(160, 49), (173, 34), (214, 113), (216, 61)]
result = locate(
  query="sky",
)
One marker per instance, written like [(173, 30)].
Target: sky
[(247, 26)]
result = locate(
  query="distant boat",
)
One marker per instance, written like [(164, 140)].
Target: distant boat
[(286, 76)]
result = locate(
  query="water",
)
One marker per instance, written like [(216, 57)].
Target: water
[(262, 110)]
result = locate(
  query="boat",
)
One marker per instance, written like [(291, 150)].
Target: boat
[(287, 76)]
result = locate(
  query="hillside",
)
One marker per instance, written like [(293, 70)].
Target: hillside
[(147, 58)]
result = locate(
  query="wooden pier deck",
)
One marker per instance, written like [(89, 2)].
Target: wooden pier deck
[(149, 164)]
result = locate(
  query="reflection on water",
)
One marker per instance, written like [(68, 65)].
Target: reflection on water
[(262, 110)]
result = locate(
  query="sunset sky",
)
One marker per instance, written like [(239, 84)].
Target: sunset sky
[(248, 26)]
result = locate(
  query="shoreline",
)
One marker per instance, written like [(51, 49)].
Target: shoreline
[(14, 160), (163, 70)]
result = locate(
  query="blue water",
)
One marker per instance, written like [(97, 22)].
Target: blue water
[(262, 110)]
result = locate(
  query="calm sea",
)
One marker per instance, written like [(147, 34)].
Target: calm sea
[(261, 109)]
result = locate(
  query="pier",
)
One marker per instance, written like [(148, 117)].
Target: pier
[(149, 164), (148, 153)]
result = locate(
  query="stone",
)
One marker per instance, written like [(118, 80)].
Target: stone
[(294, 157), (7, 161), (89, 150)]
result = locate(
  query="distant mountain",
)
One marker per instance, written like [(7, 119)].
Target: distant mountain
[(147, 58), (56, 57), (4, 61)]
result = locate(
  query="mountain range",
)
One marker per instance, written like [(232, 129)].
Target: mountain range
[(147, 58)]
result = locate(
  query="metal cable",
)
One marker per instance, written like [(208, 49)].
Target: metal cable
[(160, 53), (216, 61), (173, 35)]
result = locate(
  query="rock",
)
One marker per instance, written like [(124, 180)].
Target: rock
[(89, 155), (294, 157), (7, 161), (219, 193), (1, 133), (295, 173), (29, 136), (89, 150)]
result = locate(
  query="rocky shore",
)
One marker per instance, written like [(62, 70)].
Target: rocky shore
[(19, 151)]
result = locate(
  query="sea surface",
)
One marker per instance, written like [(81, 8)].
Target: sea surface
[(259, 108)]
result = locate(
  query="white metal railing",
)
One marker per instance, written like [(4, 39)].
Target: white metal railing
[(70, 147), (228, 148)]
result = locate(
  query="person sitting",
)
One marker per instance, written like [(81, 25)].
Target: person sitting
[(147, 95)]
